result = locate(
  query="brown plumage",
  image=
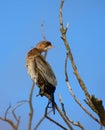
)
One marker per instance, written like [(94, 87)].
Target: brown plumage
[(40, 71)]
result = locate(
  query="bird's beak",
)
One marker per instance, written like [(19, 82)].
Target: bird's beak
[(49, 47)]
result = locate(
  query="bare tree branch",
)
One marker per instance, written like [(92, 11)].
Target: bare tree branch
[(41, 120), (22, 102), (46, 116), (16, 118), (73, 95), (6, 112), (56, 123), (9, 121), (42, 31), (71, 121), (63, 32), (31, 107), (94, 103), (63, 117)]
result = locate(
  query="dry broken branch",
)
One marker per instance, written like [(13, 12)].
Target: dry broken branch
[(73, 95), (9, 121), (96, 105), (67, 117), (63, 117)]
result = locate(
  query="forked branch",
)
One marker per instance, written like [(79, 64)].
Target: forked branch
[(73, 95), (94, 103), (67, 117), (15, 126)]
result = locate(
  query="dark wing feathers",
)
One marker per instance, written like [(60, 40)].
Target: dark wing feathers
[(45, 70)]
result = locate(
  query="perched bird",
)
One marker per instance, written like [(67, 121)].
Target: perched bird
[(40, 71)]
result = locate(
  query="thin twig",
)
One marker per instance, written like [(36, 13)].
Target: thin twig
[(60, 14), (41, 120), (9, 121), (44, 37), (15, 108), (64, 111), (31, 107), (46, 116), (16, 118), (56, 123), (42, 31), (23, 101), (6, 112), (63, 117), (73, 95), (19, 103)]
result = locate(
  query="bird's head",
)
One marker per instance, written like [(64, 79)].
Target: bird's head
[(44, 46)]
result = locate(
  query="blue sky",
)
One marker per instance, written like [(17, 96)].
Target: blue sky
[(20, 30)]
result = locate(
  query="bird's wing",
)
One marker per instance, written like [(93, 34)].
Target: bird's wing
[(45, 70)]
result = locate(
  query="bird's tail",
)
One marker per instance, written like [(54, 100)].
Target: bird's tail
[(49, 93), (53, 103)]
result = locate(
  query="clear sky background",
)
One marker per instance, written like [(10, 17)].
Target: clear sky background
[(20, 30)]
